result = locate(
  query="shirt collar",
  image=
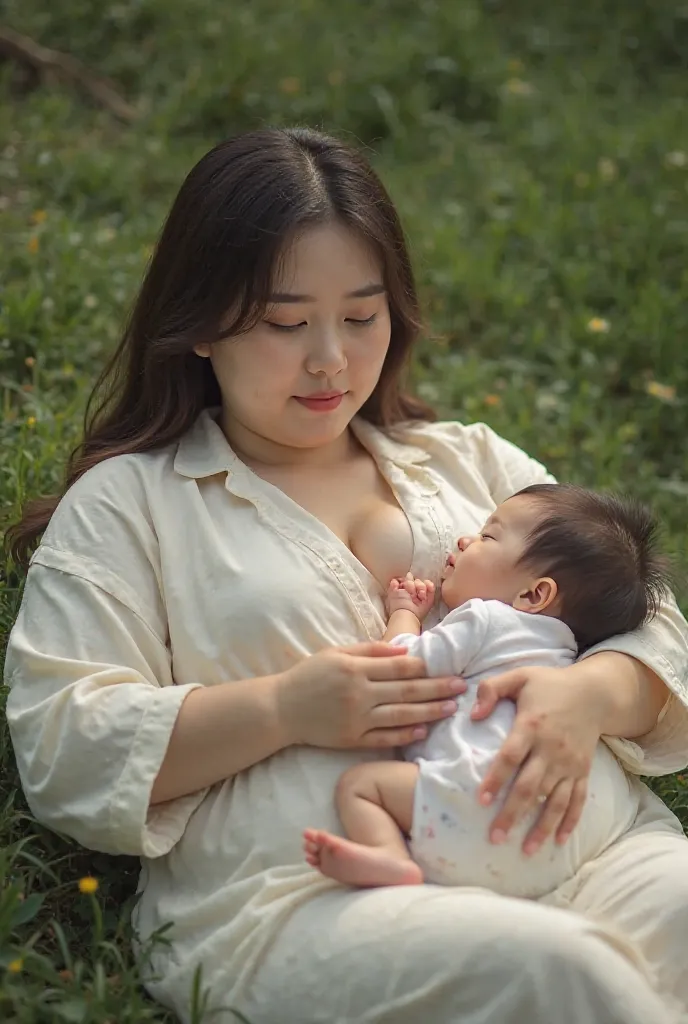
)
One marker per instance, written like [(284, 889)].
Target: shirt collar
[(204, 450)]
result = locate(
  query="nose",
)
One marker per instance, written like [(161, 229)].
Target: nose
[(464, 542), (327, 355)]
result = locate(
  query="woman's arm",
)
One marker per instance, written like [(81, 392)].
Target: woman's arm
[(219, 731), (631, 696), (112, 753)]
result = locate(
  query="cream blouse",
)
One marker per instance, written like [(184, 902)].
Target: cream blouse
[(179, 568)]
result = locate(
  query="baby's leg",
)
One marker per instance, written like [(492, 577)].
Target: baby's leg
[(375, 803)]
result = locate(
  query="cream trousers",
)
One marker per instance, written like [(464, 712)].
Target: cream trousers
[(432, 955)]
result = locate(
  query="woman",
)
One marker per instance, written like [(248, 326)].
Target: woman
[(178, 686)]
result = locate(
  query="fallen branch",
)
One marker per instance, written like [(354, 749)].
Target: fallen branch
[(45, 62)]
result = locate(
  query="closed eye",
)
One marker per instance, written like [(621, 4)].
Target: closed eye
[(487, 536), (362, 323), (285, 327)]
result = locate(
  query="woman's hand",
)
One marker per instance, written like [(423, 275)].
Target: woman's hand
[(548, 752), (370, 695)]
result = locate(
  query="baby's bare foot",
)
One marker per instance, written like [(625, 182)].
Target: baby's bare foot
[(354, 864)]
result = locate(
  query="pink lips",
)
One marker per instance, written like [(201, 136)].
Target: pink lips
[(323, 402)]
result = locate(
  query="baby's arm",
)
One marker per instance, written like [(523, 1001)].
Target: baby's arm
[(450, 646), (408, 601)]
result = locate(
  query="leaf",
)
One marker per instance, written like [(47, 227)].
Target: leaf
[(26, 910), (73, 1010)]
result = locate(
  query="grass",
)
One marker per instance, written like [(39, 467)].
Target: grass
[(539, 157)]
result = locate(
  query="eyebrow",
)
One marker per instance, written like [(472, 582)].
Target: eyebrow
[(494, 521), (361, 293)]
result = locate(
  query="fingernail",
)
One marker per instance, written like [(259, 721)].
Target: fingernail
[(562, 838), (449, 706), (486, 799), (498, 837), (458, 685), (419, 733), (530, 848)]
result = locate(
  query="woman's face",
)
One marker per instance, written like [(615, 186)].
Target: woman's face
[(326, 332)]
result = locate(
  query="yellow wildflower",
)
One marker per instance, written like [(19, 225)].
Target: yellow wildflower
[(665, 392), (31, 421), (290, 85), (492, 400), (29, 361), (38, 216), (598, 325), (15, 966), (607, 168), (88, 885), (33, 245), (517, 87)]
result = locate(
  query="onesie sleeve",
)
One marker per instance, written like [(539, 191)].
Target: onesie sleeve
[(450, 646)]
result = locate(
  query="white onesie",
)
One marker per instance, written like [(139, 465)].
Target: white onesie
[(449, 838)]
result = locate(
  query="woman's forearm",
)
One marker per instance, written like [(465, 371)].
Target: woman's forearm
[(631, 695), (219, 731)]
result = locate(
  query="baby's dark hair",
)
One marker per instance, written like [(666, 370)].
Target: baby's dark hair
[(601, 550)]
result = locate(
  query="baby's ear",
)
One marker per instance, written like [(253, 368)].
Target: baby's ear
[(538, 597)]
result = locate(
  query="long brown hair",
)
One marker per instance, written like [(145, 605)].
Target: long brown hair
[(218, 251)]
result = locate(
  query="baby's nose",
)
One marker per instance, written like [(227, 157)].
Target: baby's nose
[(465, 542)]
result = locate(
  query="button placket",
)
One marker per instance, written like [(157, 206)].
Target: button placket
[(415, 489)]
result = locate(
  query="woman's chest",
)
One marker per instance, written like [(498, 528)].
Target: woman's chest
[(360, 509), (256, 575)]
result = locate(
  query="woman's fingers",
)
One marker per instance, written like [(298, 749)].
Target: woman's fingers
[(574, 810), (386, 739), (553, 812), (497, 688), (513, 753), (415, 691), (522, 798), (384, 670), (394, 716), (376, 649)]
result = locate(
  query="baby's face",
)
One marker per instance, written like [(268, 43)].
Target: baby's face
[(485, 565)]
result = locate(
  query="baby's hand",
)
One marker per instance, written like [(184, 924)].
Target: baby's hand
[(411, 594)]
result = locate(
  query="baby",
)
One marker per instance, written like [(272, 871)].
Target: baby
[(555, 570)]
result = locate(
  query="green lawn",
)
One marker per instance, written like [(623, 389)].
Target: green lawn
[(540, 161)]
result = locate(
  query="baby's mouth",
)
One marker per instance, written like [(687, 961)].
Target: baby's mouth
[(449, 566)]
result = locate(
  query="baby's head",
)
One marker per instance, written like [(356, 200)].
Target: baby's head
[(588, 559)]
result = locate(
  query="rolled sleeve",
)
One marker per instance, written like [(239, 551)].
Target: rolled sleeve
[(662, 645), (91, 709)]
